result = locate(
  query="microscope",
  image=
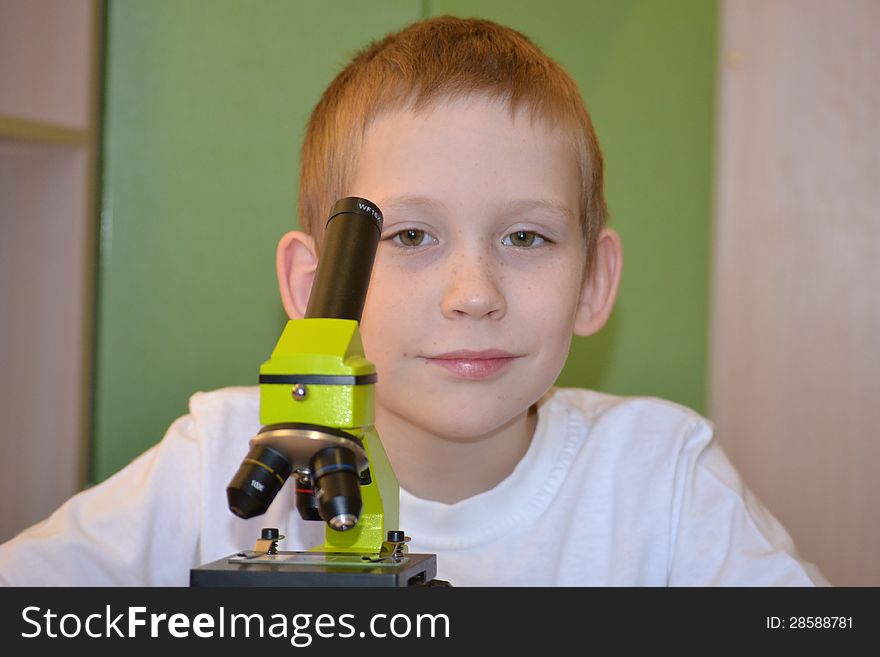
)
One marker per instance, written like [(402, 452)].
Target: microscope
[(317, 410)]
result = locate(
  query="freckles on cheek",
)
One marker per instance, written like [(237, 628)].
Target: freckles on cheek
[(392, 304), (389, 315)]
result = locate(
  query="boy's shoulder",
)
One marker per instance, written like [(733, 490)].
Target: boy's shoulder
[(629, 423), (230, 398), (225, 412), (600, 407)]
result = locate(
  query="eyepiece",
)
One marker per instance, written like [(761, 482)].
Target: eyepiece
[(259, 478), (337, 490), (350, 241)]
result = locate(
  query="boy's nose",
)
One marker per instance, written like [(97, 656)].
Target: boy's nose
[(473, 291)]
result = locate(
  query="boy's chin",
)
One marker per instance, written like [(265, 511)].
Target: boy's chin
[(464, 425)]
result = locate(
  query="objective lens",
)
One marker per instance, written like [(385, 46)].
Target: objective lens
[(335, 476), (259, 478), (306, 503)]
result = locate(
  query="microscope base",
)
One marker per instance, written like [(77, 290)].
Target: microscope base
[(315, 569)]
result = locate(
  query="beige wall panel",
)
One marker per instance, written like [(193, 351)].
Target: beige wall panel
[(49, 76), (795, 365), (43, 234), (44, 60)]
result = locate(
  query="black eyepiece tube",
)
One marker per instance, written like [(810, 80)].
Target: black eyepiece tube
[(349, 248)]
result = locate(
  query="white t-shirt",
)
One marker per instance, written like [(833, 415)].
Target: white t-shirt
[(612, 491)]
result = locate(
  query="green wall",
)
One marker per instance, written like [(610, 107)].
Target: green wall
[(205, 104)]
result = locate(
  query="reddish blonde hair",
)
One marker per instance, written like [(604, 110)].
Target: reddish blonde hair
[(436, 59)]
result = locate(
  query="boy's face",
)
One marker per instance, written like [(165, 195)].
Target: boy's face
[(477, 282)]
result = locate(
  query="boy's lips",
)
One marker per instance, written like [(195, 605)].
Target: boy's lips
[(468, 364)]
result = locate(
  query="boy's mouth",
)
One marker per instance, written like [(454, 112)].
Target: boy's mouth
[(468, 364)]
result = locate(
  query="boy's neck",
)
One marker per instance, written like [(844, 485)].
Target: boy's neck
[(446, 470)]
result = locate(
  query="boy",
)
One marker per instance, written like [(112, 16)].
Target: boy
[(481, 155)]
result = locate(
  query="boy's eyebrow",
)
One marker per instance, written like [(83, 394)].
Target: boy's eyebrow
[(513, 206), (517, 206), (406, 202)]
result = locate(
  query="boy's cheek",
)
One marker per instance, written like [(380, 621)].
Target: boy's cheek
[(394, 309)]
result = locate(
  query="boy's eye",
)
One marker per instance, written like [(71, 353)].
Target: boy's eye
[(411, 237), (523, 238)]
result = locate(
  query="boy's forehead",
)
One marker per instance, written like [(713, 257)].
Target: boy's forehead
[(457, 144), (451, 110)]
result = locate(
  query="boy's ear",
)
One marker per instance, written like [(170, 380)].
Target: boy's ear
[(599, 290), (296, 263)]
